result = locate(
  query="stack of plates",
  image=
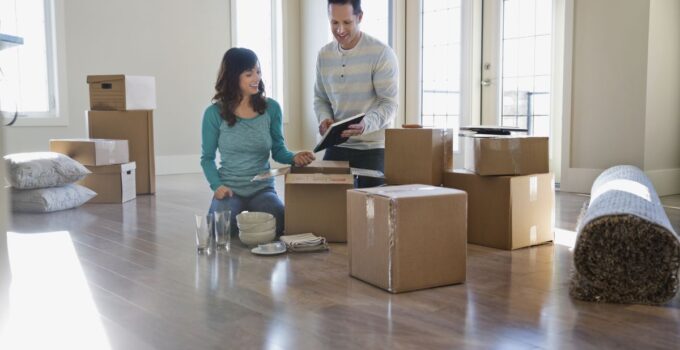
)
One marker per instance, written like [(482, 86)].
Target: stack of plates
[(256, 227)]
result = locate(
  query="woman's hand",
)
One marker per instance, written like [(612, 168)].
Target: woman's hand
[(223, 192), (303, 158)]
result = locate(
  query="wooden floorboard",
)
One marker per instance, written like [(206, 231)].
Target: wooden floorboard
[(152, 291)]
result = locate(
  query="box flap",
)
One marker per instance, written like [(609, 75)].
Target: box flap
[(405, 191), (327, 179), (112, 169), (323, 167), (101, 78)]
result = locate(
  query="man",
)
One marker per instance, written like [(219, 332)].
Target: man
[(356, 73)]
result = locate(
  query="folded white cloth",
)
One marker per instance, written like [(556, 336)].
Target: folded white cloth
[(304, 242)]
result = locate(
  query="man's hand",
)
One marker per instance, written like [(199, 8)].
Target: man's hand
[(223, 192), (354, 130), (323, 126), (303, 158)]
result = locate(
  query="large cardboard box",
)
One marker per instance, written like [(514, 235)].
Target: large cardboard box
[(317, 203), (506, 155), (507, 212), (121, 92), (408, 237), (113, 183), (137, 128), (93, 151), (417, 155)]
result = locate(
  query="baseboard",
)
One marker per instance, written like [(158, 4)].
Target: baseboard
[(184, 164), (666, 181), (578, 180)]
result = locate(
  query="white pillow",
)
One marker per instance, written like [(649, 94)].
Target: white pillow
[(43, 169), (45, 200)]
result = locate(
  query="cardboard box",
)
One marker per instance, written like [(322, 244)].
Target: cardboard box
[(507, 212), (317, 203), (93, 152), (415, 156), (409, 237), (121, 92), (506, 155), (113, 183), (137, 128)]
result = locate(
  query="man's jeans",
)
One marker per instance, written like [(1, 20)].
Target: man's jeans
[(373, 159)]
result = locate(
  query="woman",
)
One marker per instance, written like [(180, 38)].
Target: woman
[(246, 127)]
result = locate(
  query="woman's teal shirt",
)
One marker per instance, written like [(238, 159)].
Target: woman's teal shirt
[(244, 148)]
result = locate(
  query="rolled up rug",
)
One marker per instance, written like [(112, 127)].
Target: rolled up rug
[(626, 249)]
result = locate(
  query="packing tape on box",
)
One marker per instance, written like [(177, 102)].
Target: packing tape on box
[(109, 146), (370, 216), (533, 188), (515, 153), (448, 148), (391, 230), (397, 189)]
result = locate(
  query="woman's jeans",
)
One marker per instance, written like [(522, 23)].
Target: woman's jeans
[(265, 200)]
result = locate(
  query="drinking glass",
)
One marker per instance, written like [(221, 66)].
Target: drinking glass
[(204, 232), (222, 229)]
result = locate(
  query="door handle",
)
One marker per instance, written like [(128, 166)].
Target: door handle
[(486, 82)]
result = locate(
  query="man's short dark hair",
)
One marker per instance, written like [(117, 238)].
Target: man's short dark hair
[(356, 4)]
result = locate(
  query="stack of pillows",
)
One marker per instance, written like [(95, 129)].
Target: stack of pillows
[(44, 182)]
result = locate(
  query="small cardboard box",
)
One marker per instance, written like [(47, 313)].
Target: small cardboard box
[(506, 155), (507, 212), (93, 152), (137, 128), (317, 203), (408, 237), (415, 156), (113, 183), (121, 92)]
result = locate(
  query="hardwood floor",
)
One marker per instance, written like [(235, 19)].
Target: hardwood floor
[(137, 280)]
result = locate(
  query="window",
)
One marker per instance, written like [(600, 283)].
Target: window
[(526, 55), (258, 26), (377, 20), (441, 64), (27, 79)]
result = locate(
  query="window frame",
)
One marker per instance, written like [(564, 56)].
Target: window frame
[(56, 72)]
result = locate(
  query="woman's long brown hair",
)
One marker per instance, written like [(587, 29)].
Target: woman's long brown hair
[(227, 88)]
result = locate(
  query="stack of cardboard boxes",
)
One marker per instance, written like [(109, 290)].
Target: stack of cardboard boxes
[(113, 175), (511, 193), (121, 107), (413, 233)]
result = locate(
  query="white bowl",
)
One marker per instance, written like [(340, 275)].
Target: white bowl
[(260, 227), (256, 238), (253, 217)]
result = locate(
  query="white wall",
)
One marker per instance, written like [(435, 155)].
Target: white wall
[(5, 274), (180, 42), (610, 64), (662, 129), (315, 32), (622, 100)]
